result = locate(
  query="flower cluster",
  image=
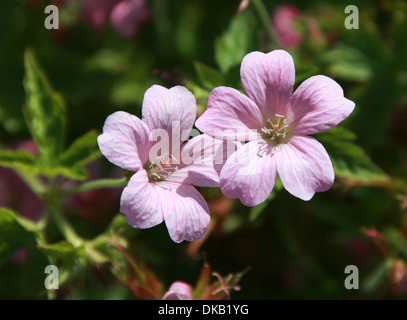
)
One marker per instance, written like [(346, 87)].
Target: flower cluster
[(248, 140)]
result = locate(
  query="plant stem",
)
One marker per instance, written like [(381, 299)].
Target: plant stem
[(64, 227), (96, 184), (264, 19)]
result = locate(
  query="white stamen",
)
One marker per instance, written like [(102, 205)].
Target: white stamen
[(277, 129)]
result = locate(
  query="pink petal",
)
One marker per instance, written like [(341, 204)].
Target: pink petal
[(230, 114), (127, 16), (142, 202), (304, 167), (186, 213), (173, 110), (249, 174), (268, 80), (318, 104), (125, 141), (202, 159), (178, 291)]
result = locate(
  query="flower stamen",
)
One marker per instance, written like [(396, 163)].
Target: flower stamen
[(162, 169), (275, 129)]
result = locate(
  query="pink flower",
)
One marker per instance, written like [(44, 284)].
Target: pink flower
[(127, 16), (96, 12), (282, 121), (284, 18), (162, 186), (178, 291)]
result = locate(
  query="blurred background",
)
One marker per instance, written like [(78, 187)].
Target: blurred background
[(107, 53)]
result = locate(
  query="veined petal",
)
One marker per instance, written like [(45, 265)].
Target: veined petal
[(186, 213), (202, 159), (304, 167), (268, 80), (250, 173), (318, 104), (173, 110), (142, 202), (125, 140), (178, 291), (230, 113)]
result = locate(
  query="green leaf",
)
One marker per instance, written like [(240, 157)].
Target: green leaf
[(15, 233), (350, 160), (82, 151), (239, 39), (76, 173), (61, 250), (18, 160), (44, 112), (209, 77), (348, 63)]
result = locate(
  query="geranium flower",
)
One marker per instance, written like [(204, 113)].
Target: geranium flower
[(162, 185), (282, 121), (284, 18)]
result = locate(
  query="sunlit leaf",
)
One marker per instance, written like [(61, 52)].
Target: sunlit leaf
[(238, 40), (82, 151), (209, 77), (44, 111), (20, 160)]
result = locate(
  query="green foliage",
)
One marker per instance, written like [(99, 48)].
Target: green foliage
[(82, 151), (348, 63), (16, 232), (209, 77), (238, 40), (20, 160), (45, 116), (350, 160), (44, 112)]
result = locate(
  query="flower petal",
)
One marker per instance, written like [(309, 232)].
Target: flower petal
[(304, 167), (186, 213), (173, 110), (125, 141), (230, 113), (318, 104), (178, 291), (268, 80), (202, 159), (249, 174), (142, 202)]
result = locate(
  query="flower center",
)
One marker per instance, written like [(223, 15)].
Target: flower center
[(162, 169), (276, 129)]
